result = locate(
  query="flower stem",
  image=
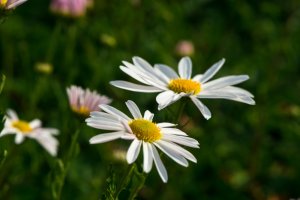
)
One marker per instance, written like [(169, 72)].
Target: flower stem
[(53, 41), (125, 180), (62, 167), (138, 184), (180, 110), (3, 159)]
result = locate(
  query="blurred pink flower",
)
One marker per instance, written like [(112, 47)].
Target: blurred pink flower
[(85, 101), (185, 48), (10, 4), (71, 8)]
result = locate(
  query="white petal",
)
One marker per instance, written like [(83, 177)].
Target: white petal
[(148, 159), (103, 115), (134, 87), (185, 68), (12, 115), (212, 71), (161, 97), (35, 123), (105, 125), (127, 136), (138, 73), (149, 72), (126, 126), (148, 115), (165, 99), (203, 109), (133, 74), (138, 61), (197, 77), (159, 165), (106, 137), (178, 149), (110, 118), (237, 90), (173, 131), (49, 143), (155, 81), (167, 71), (7, 130), (186, 141), (220, 94), (19, 138), (133, 151), (162, 76), (224, 81), (135, 111), (172, 154), (114, 111), (165, 125), (15, 4), (50, 131)]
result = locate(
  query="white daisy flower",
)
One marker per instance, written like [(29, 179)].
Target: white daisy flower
[(85, 101), (145, 134), (172, 87), (33, 130)]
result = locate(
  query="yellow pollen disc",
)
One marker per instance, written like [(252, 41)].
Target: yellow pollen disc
[(23, 126), (3, 2), (82, 110), (145, 130), (185, 85)]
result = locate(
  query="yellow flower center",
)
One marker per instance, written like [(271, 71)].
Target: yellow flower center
[(82, 110), (145, 130), (3, 3), (23, 126), (185, 85)]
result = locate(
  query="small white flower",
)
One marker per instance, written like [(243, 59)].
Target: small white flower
[(85, 101), (11, 4), (172, 87), (33, 130), (145, 134)]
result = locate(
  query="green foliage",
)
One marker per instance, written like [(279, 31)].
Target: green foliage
[(2, 82), (247, 152), (3, 158), (111, 188)]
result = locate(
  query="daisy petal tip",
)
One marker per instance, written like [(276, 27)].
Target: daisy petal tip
[(146, 170), (92, 141), (130, 159), (165, 180), (207, 117)]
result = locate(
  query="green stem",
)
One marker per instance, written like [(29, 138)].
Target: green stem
[(2, 83), (125, 180), (4, 158), (180, 110), (53, 41), (63, 167), (69, 52), (141, 178)]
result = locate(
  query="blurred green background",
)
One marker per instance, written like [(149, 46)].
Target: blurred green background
[(247, 152)]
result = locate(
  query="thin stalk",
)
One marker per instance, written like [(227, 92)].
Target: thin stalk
[(125, 180), (180, 110), (141, 178), (63, 167), (53, 41), (4, 158)]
